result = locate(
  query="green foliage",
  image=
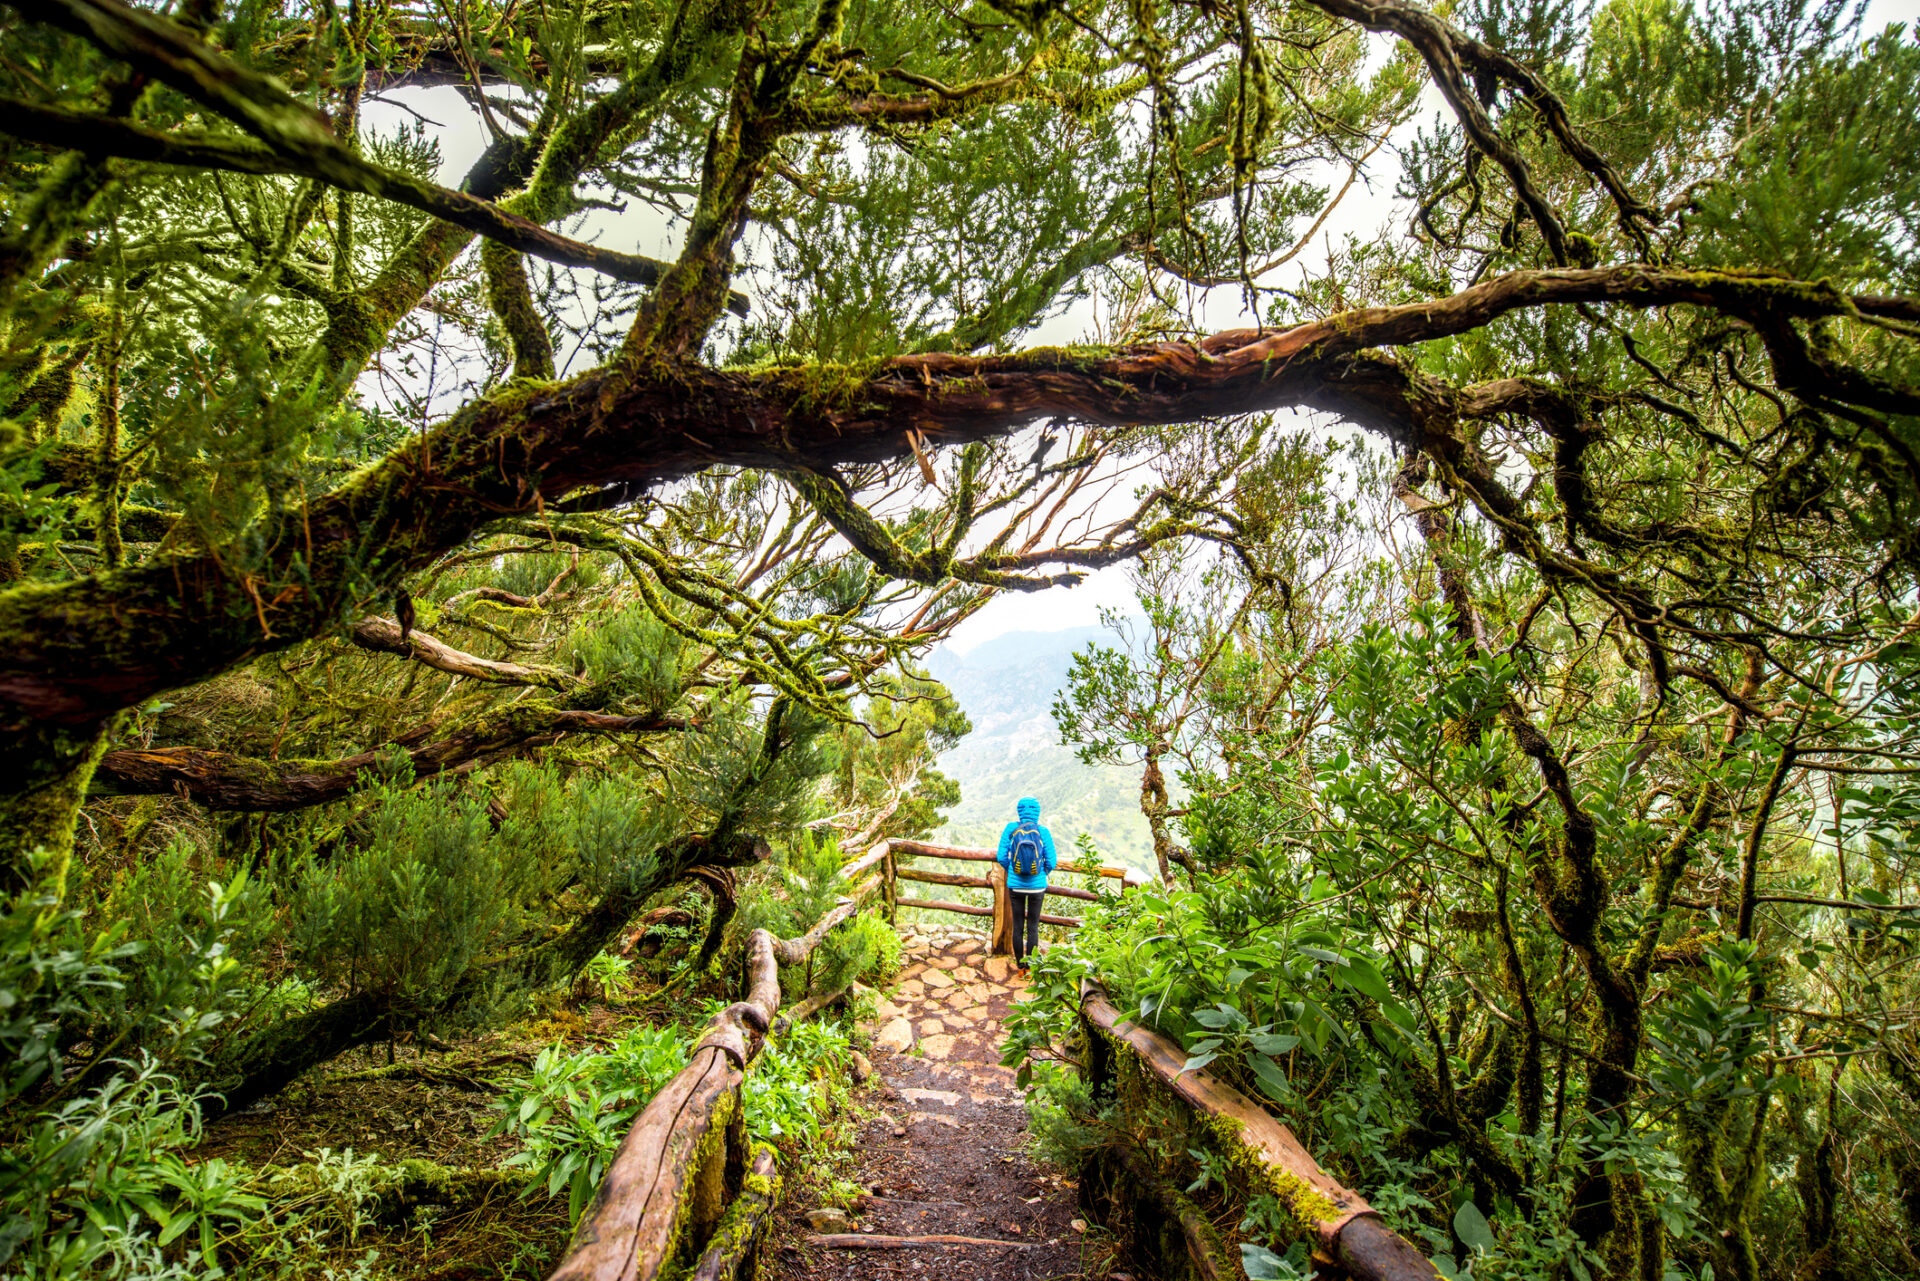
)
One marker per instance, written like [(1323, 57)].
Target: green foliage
[(1707, 1035), (185, 935), (634, 649), (864, 947), (797, 1084), (608, 974), (1345, 938), (93, 1177), (571, 1111), (101, 1179), (424, 897)]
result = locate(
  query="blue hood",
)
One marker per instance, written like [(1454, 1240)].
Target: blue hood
[(1028, 809)]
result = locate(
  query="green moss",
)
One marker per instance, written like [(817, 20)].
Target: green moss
[(825, 388), (52, 771), (738, 1233), (703, 1198), (1306, 1203), (1141, 1092)]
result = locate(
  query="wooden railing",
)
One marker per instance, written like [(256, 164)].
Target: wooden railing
[(684, 1190), (891, 858), (1345, 1228)]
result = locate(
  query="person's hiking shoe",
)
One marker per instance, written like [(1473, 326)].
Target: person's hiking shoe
[(1024, 967)]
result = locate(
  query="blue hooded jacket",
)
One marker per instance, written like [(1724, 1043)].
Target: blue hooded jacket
[(1028, 809)]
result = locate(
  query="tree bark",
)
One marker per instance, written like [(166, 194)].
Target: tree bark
[(1153, 803), (224, 781), (383, 636)]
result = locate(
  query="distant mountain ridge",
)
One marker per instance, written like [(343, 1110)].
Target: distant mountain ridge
[(1007, 687)]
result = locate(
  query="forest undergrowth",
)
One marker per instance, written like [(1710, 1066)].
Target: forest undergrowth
[(419, 1157)]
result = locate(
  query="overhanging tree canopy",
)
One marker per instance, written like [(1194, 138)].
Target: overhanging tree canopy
[(1650, 335)]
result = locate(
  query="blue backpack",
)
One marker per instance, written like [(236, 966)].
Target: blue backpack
[(1026, 849)]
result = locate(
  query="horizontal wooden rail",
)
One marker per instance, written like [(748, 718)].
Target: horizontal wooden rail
[(926, 849), (866, 862), (944, 905), (928, 877), (893, 870), (1346, 1227)]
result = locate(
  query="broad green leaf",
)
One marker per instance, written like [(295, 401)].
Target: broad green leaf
[(1262, 1264), (1472, 1228), (1362, 976)]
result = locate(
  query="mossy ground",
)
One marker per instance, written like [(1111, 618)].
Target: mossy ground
[(437, 1106)]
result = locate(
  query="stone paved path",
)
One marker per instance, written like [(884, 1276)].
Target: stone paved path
[(947, 1154)]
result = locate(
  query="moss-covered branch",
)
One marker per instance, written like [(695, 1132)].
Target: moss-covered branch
[(293, 140), (224, 781), (79, 650)]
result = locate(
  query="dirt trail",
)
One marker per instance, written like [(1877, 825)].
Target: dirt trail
[(947, 1155)]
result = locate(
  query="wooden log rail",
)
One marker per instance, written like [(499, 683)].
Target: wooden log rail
[(684, 1194), (1345, 1228), (891, 856)]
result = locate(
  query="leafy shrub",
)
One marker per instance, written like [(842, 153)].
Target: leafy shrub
[(410, 910), (799, 1080), (571, 1111), (607, 974)]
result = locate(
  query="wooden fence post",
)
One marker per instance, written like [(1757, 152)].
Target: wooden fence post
[(891, 891), (1002, 913)]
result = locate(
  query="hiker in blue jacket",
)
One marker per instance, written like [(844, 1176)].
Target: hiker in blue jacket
[(1026, 851)]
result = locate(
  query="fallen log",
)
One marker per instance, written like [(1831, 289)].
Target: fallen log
[(629, 1231), (1203, 1243), (389, 1192), (865, 1241), (666, 1189), (741, 1231), (796, 951)]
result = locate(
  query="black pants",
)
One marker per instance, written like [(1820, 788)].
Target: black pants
[(1026, 922)]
